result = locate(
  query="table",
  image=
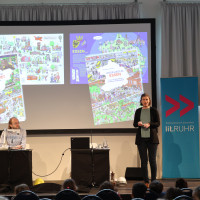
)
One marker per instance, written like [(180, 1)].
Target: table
[(90, 167), (16, 167)]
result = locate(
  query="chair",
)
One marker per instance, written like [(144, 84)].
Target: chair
[(187, 191), (91, 197), (45, 198), (26, 195), (108, 194), (151, 195), (183, 197), (67, 194)]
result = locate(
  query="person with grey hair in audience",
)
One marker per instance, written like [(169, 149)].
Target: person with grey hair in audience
[(19, 188)]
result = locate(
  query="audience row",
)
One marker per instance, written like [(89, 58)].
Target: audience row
[(107, 191)]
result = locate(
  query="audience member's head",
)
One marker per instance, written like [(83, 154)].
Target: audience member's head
[(139, 190), (181, 183), (106, 185), (196, 193), (69, 184), (20, 188), (172, 193), (156, 186)]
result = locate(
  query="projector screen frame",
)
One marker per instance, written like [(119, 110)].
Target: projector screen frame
[(150, 21)]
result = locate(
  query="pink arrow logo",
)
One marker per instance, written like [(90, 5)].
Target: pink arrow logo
[(174, 108), (188, 108), (177, 105)]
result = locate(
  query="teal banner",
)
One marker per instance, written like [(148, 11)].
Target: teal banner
[(180, 127)]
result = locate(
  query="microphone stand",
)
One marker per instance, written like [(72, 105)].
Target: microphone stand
[(9, 168), (93, 184)]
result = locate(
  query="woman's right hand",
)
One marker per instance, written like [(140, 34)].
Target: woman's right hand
[(139, 123)]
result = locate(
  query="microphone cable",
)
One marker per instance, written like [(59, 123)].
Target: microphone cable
[(56, 167)]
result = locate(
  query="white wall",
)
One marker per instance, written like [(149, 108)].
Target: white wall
[(47, 151)]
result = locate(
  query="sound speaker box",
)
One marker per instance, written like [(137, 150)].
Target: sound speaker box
[(46, 188), (133, 173)]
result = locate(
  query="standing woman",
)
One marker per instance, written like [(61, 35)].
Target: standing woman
[(147, 120)]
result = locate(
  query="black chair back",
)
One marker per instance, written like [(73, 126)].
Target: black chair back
[(45, 198), (26, 195), (67, 194), (187, 191), (183, 197), (151, 195), (91, 197), (108, 194)]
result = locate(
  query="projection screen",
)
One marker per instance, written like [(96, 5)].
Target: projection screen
[(76, 75)]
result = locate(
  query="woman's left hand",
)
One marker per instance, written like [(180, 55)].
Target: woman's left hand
[(147, 125)]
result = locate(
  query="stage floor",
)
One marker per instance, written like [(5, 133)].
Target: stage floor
[(192, 183)]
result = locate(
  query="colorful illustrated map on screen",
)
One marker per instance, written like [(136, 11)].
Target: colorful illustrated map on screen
[(11, 95), (115, 67), (40, 57), (84, 44)]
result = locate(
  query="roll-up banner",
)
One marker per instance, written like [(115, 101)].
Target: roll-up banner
[(180, 127)]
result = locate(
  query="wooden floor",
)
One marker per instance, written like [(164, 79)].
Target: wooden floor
[(124, 191)]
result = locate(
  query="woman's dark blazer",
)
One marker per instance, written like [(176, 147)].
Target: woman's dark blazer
[(154, 124)]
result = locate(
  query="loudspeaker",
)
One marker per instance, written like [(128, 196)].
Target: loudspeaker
[(133, 173)]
